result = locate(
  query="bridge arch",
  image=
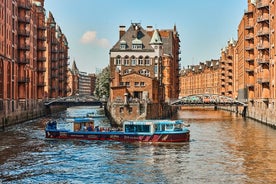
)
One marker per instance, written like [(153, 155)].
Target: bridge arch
[(207, 99), (75, 100)]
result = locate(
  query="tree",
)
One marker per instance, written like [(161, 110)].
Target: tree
[(102, 83)]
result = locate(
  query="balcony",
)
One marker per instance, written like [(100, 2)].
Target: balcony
[(249, 48), (249, 27), (41, 27), (263, 19), (250, 85), (26, 6), (42, 38), (41, 84), (41, 48), (248, 12), (41, 69), (263, 33), (250, 70), (249, 37), (24, 33), (262, 61), (23, 61), (53, 76), (261, 5), (263, 80), (24, 47), (25, 20), (262, 46), (41, 59), (23, 80), (249, 60)]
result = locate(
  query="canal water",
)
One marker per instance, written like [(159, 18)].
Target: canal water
[(224, 148)]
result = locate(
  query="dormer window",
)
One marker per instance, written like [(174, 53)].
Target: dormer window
[(137, 44), (123, 45)]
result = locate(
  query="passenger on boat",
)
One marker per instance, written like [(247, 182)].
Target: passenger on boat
[(89, 128)]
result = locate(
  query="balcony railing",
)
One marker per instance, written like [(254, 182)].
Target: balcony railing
[(41, 27), (26, 6), (23, 79), (262, 46), (24, 20), (41, 59), (262, 5), (249, 48), (262, 19), (250, 70), (42, 38), (41, 84), (248, 27), (249, 37), (23, 61), (262, 61), (41, 69), (24, 47), (24, 33), (263, 80), (249, 60), (263, 33), (41, 48)]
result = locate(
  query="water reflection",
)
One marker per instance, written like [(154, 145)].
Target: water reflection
[(224, 148)]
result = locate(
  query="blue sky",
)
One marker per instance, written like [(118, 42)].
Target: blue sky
[(92, 26)]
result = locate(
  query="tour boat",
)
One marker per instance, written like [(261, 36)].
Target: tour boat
[(133, 131)]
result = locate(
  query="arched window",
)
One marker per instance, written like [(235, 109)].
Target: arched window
[(126, 61), (140, 60), (133, 61), (118, 60), (147, 61)]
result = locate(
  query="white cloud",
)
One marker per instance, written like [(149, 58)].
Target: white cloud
[(90, 37), (103, 43)]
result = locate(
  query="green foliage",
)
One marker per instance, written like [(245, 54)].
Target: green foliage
[(102, 83)]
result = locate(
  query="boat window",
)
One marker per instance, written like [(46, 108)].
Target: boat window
[(137, 128), (169, 126), (178, 127)]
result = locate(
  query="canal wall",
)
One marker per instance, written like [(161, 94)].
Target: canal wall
[(119, 112), (25, 112), (22, 113), (261, 114)]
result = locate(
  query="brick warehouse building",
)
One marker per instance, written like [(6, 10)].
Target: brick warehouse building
[(144, 67), (24, 57), (247, 69)]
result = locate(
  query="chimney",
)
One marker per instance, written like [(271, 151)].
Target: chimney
[(122, 31), (149, 29)]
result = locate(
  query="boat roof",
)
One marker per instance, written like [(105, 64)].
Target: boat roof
[(149, 122), (82, 120)]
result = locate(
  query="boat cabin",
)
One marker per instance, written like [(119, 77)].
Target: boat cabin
[(152, 126)]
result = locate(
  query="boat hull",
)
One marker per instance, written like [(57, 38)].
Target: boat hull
[(120, 136)]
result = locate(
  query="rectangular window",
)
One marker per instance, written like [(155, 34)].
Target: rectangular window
[(121, 83), (147, 62), (142, 83), (126, 62), (140, 62), (133, 62), (136, 83), (127, 84), (118, 61)]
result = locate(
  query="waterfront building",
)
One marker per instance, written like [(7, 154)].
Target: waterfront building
[(247, 66), (79, 82), (201, 79), (57, 60), (24, 58), (144, 69)]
